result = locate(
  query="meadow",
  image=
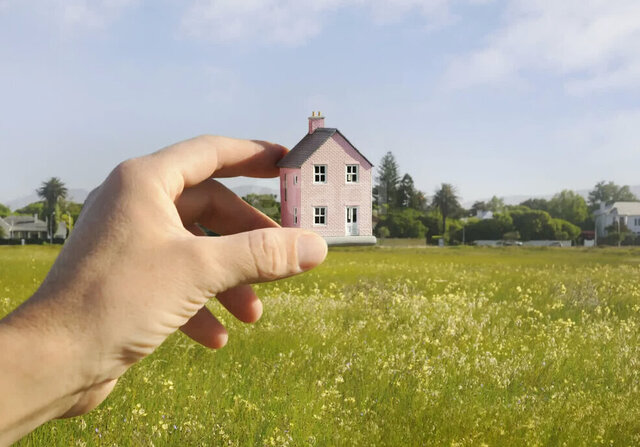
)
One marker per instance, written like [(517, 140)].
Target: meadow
[(390, 346)]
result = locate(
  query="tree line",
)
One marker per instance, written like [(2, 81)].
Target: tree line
[(402, 211)]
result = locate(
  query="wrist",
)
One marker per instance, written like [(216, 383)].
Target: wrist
[(41, 374)]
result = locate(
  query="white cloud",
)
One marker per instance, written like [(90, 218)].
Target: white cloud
[(590, 44), (72, 15), (292, 22)]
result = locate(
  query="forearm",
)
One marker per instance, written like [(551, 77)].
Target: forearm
[(40, 378)]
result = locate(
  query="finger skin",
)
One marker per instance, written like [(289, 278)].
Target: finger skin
[(204, 328), (219, 209), (242, 302), (255, 256), (190, 162)]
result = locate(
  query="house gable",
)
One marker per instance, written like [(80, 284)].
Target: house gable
[(306, 147)]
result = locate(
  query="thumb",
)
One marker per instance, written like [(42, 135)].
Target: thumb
[(257, 256)]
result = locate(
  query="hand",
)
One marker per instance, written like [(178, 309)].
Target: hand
[(135, 268)]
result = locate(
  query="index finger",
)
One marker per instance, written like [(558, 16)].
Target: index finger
[(192, 161)]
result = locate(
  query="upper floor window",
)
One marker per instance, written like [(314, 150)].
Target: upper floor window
[(636, 221), (319, 173), (352, 173), (295, 179)]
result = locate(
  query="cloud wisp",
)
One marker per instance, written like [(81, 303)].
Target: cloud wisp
[(293, 22), (593, 45)]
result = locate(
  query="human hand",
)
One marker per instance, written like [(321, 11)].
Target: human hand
[(135, 269)]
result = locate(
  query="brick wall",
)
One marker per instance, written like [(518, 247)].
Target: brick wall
[(336, 194)]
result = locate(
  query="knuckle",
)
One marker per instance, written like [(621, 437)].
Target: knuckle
[(269, 254), (126, 172)]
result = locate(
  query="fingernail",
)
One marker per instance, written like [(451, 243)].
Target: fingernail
[(312, 250)]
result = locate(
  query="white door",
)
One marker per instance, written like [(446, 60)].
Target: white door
[(352, 221)]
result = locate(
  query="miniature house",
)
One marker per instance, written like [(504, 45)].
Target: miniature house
[(325, 186)]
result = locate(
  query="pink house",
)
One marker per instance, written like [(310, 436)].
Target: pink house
[(325, 186)]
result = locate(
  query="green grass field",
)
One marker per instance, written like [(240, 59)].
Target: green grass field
[(391, 346)]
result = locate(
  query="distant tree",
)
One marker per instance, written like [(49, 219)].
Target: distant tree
[(405, 223), (386, 182), (533, 224), (489, 229), (4, 210), (569, 206), (53, 192), (72, 209), (431, 222), (267, 203), (31, 209), (419, 201), (495, 205), (406, 191), (565, 230), (536, 204), (446, 201), (609, 193)]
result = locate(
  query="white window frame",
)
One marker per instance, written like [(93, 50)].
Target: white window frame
[(319, 174), (320, 212), (349, 176), (295, 215)]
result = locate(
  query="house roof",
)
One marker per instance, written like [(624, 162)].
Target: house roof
[(626, 208), (309, 144), (24, 223)]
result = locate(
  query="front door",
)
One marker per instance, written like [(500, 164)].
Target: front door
[(352, 221)]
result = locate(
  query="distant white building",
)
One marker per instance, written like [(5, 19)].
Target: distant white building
[(626, 213), (484, 214)]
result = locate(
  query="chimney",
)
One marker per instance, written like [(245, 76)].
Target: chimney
[(315, 121)]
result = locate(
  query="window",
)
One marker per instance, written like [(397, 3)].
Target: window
[(319, 173), (295, 216), (320, 215), (295, 179), (636, 221), (285, 187), (352, 173)]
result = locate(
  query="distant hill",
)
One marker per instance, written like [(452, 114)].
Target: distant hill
[(78, 195)]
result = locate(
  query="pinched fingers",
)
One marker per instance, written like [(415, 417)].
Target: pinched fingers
[(190, 162), (216, 207)]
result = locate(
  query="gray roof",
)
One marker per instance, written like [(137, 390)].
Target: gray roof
[(31, 226), (627, 208), (309, 144), (621, 209), (14, 220), (24, 223)]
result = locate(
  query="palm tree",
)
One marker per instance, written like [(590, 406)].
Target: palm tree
[(446, 200), (52, 192)]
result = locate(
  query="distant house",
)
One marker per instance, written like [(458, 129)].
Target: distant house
[(29, 228), (484, 214), (626, 213), (325, 186)]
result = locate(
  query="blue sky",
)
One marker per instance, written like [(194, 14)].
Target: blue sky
[(497, 97)]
